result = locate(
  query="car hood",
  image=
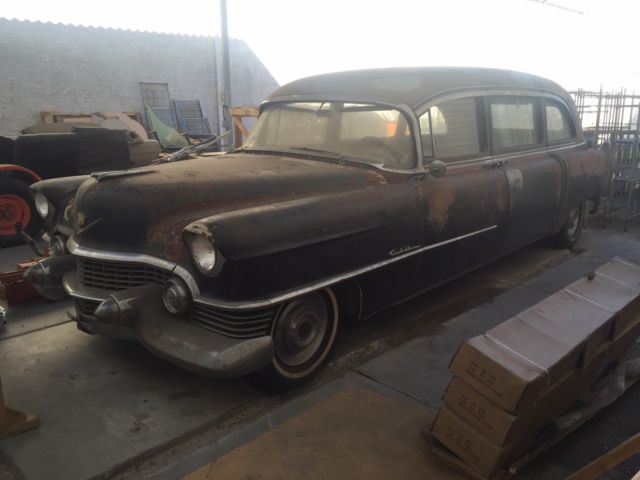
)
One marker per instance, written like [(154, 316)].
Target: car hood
[(145, 210)]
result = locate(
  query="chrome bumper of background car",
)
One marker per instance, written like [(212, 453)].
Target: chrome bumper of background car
[(138, 313)]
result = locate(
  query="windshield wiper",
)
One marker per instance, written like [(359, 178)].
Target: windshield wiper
[(189, 150), (336, 155)]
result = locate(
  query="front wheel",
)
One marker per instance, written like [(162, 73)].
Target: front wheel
[(16, 206), (572, 228), (304, 333)]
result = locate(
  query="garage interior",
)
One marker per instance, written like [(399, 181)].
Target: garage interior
[(396, 399)]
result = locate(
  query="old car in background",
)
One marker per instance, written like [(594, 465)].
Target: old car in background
[(58, 150), (354, 191)]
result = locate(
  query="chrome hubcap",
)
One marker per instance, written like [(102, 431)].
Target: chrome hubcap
[(574, 221), (300, 330)]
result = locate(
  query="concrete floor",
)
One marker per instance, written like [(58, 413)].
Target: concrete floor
[(109, 408)]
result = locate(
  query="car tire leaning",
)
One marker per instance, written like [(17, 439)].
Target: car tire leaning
[(303, 332), (572, 227), (16, 206)]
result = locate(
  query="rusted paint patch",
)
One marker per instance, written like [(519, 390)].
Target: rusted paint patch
[(514, 177), (439, 206), (374, 178), (501, 195)]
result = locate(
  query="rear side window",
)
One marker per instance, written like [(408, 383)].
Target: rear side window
[(559, 124), (514, 122), (455, 129)]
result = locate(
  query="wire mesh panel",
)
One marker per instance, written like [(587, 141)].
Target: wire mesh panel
[(612, 117), (615, 117), (156, 96), (191, 119)]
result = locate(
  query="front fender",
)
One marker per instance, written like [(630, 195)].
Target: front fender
[(280, 247), (58, 190)]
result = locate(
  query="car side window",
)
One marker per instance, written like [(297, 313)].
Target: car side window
[(425, 135), (514, 122), (454, 129), (559, 124)]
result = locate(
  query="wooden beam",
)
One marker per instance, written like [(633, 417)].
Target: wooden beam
[(244, 111), (609, 460), (12, 421)]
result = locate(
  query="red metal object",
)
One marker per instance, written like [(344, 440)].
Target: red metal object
[(16, 289), (17, 168), (13, 209)]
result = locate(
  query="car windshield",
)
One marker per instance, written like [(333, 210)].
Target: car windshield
[(359, 132)]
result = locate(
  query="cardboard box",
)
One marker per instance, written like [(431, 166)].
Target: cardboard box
[(514, 362), (462, 439), (628, 274), (501, 427), (626, 339), (499, 374), (573, 321)]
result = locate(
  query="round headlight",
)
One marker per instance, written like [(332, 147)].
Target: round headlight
[(42, 205), (176, 296), (204, 253)]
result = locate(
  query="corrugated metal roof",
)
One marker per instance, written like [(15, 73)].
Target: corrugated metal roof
[(98, 27)]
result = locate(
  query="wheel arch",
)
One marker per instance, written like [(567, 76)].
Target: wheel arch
[(20, 173), (349, 298)]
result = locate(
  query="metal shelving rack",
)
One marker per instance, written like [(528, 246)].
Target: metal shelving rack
[(614, 117)]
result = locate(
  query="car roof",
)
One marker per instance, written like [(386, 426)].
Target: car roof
[(411, 86)]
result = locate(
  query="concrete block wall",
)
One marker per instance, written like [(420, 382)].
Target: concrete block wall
[(55, 67)]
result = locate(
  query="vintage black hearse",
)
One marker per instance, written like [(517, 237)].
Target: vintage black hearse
[(355, 191)]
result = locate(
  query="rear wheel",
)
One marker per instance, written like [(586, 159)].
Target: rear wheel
[(304, 333), (572, 228), (16, 206)]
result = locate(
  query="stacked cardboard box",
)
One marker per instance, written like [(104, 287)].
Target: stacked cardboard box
[(517, 377)]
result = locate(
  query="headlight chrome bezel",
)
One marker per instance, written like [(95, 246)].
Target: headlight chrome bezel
[(43, 205), (203, 253)]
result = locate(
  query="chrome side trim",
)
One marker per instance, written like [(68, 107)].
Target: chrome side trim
[(182, 272), (80, 251), (508, 156)]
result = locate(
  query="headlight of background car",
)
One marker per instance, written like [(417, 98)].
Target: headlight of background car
[(42, 205), (203, 252)]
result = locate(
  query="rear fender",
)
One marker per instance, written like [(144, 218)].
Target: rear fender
[(20, 173)]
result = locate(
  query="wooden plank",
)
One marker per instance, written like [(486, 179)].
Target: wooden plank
[(244, 111), (12, 421), (47, 117), (238, 123), (609, 460)]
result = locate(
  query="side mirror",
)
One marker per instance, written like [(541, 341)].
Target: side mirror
[(437, 168)]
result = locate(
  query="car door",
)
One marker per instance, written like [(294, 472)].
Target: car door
[(535, 175), (465, 210)]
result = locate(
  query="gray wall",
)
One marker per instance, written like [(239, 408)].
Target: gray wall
[(56, 67)]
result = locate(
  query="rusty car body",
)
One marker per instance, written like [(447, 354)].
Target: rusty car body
[(355, 191)]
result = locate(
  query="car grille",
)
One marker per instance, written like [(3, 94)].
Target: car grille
[(115, 276), (250, 324), (118, 275)]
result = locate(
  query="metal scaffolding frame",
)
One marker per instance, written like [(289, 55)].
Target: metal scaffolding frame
[(614, 117)]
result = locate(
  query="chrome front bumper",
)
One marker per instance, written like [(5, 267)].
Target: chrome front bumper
[(138, 313)]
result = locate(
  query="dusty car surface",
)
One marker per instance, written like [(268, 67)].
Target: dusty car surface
[(355, 191)]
